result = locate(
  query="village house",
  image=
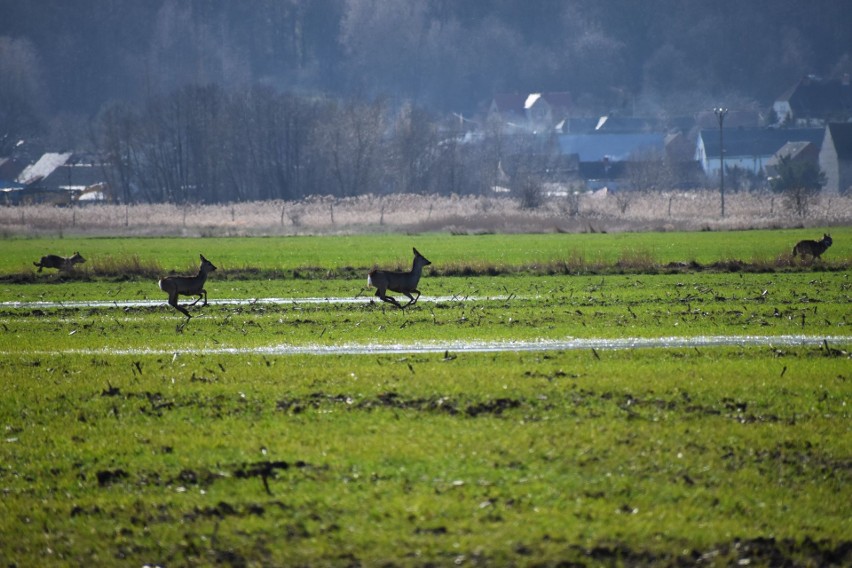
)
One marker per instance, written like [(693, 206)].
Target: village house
[(794, 151), (814, 102), (531, 112), (59, 178), (748, 148), (835, 158)]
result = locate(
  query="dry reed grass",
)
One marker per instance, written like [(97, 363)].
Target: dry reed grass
[(588, 212)]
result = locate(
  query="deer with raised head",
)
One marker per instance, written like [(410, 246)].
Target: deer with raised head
[(176, 286), (402, 282), (64, 264), (812, 248)]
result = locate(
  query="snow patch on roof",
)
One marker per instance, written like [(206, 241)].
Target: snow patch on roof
[(43, 167), (531, 99)]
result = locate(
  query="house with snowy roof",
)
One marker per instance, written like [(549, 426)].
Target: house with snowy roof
[(530, 112), (56, 177)]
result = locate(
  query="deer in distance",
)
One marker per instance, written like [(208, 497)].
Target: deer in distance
[(64, 264), (812, 248), (402, 282), (176, 286)]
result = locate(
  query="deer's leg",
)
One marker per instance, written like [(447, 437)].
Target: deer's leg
[(389, 299), (198, 299), (173, 302), (411, 299)]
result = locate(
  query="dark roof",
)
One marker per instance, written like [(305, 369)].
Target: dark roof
[(841, 135), (510, 102), (817, 98), (615, 147), (758, 141), (518, 102), (797, 151), (10, 169), (628, 124), (708, 119), (579, 125), (76, 174), (603, 170), (558, 99), (549, 166)]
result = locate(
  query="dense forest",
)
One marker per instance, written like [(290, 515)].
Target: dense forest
[(85, 73)]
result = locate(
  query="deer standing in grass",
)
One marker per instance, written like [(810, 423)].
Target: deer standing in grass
[(812, 248), (176, 286), (402, 282), (62, 263)]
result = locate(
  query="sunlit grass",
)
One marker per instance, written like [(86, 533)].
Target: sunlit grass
[(131, 440), (351, 256), (133, 315), (651, 455)]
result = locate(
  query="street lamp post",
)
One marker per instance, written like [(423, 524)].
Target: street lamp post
[(720, 114)]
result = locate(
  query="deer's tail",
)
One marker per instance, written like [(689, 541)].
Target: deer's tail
[(370, 278)]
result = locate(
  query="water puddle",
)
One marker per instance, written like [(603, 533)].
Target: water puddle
[(455, 347), (458, 346), (121, 304)]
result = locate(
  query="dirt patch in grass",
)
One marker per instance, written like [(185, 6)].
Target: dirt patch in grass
[(393, 400)]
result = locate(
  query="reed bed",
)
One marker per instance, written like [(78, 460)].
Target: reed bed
[(559, 212)]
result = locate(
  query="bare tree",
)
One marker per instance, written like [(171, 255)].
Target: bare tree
[(349, 138), (117, 136), (22, 98), (799, 181), (411, 155)]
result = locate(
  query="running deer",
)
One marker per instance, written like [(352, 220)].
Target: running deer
[(176, 286), (62, 263), (812, 248), (402, 282)]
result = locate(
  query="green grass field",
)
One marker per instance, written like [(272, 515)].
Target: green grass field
[(130, 441), (447, 252)]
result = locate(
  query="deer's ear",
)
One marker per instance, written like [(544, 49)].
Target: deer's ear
[(202, 257), (415, 251)]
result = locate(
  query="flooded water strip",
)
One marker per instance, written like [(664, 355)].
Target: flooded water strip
[(567, 344), (121, 304)]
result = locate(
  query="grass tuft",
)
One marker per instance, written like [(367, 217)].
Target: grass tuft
[(122, 267)]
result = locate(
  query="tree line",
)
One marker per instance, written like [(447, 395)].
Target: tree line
[(61, 61), (202, 144)]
